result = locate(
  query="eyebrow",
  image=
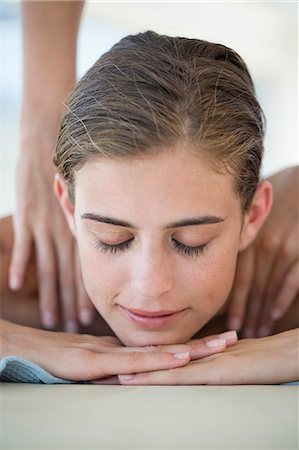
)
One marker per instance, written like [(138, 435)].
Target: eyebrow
[(203, 220)]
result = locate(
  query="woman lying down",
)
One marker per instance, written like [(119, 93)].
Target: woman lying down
[(158, 161)]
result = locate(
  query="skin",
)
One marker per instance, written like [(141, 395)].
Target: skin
[(86, 357), (151, 274), (49, 44), (50, 32), (268, 271)]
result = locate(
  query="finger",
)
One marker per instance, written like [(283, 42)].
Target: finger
[(285, 297), (207, 346), (289, 289), (85, 308), (20, 256), (263, 264), (188, 375), (67, 288), (47, 278), (287, 254), (198, 348), (107, 364), (241, 289)]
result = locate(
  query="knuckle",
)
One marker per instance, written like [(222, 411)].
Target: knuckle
[(86, 357), (134, 357), (150, 348), (84, 353), (154, 348)]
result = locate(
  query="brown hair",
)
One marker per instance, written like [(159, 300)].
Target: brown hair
[(151, 92)]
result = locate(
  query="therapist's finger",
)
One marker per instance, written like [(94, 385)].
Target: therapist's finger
[(85, 308), (289, 289), (20, 256), (287, 255), (262, 267), (241, 289), (67, 290), (285, 297), (47, 279)]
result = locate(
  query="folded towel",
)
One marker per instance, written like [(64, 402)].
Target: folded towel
[(20, 370)]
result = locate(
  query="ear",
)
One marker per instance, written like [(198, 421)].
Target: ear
[(257, 214), (62, 195)]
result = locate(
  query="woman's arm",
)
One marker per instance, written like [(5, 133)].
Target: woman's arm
[(270, 360), (82, 357)]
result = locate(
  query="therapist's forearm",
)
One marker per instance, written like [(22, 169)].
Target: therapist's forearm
[(50, 31)]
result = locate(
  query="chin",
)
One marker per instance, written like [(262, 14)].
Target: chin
[(141, 338)]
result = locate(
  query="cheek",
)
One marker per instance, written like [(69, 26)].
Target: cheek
[(212, 277), (102, 276)]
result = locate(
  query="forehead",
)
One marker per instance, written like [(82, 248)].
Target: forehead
[(170, 183)]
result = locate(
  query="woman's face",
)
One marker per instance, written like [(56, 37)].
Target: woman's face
[(157, 236)]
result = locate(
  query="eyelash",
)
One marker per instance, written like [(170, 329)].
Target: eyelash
[(179, 247), (106, 248)]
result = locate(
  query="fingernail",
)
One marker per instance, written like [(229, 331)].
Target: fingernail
[(216, 343), (276, 314), (14, 282), (127, 377), (71, 326), (229, 335), (48, 319), (181, 355), (262, 332), (85, 316), (248, 333), (235, 323)]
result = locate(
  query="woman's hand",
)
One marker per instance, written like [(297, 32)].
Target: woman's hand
[(84, 357), (267, 275), (269, 360)]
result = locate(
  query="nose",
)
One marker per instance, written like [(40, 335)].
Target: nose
[(152, 275)]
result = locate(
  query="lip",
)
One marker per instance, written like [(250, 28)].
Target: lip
[(151, 319)]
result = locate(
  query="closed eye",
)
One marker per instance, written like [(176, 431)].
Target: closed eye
[(178, 246), (113, 248), (187, 250)]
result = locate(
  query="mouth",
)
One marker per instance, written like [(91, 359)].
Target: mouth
[(151, 319)]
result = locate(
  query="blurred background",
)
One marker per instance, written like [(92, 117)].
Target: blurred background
[(265, 33)]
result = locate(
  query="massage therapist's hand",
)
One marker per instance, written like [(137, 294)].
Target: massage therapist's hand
[(268, 360), (267, 276), (49, 45), (39, 220), (85, 357)]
